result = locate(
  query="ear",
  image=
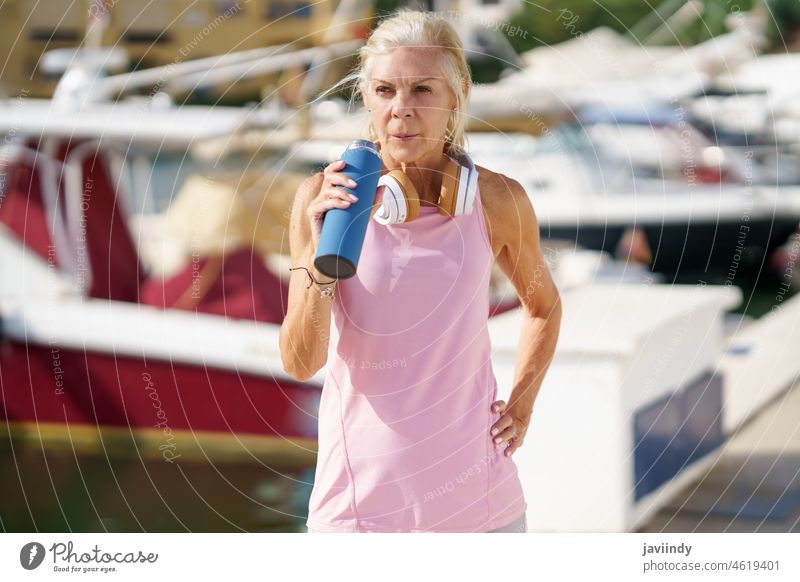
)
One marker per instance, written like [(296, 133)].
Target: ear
[(453, 101), (465, 85)]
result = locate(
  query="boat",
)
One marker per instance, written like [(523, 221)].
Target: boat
[(705, 211), (111, 339), (141, 301), (96, 345), (754, 104), (601, 67)]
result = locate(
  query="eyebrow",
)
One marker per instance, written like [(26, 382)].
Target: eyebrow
[(416, 82)]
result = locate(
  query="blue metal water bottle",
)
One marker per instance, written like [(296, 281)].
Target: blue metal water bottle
[(343, 229)]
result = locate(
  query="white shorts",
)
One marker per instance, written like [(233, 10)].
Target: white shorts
[(519, 525)]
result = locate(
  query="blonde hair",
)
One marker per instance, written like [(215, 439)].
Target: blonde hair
[(407, 27)]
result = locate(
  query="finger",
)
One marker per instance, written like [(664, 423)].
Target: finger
[(334, 166), (320, 207), (498, 406), (326, 202), (339, 179), (506, 434), (502, 424), (515, 444), (336, 202), (334, 193)]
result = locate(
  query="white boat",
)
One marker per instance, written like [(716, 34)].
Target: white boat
[(96, 324), (599, 182), (705, 210), (602, 67), (757, 102)]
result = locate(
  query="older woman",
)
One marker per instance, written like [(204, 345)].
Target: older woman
[(411, 436)]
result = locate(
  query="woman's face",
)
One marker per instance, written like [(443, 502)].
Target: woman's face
[(409, 96)]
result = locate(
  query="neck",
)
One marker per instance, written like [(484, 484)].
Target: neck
[(425, 173)]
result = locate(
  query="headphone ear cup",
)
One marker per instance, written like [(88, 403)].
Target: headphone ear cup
[(409, 192), (448, 195), (400, 199), (459, 186)]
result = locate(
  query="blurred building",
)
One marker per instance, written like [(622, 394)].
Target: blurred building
[(153, 32), (499, 10)]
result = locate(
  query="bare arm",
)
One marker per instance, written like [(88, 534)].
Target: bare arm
[(514, 223), (304, 331)]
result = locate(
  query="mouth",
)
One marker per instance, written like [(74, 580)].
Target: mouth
[(404, 136)]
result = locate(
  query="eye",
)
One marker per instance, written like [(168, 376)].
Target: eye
[(385, 89)]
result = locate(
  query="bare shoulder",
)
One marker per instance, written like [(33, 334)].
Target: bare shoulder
[(498, 189), (505, 205)]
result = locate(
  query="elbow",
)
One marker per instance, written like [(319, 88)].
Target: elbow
[(552, 311), (296, 367), (304, 372), (291, 367), (555, 306), (299, 374), (549, 310)]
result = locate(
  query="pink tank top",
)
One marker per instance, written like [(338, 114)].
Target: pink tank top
[(405, 412)]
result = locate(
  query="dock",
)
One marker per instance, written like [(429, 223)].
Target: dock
[(672, 418), (753, 486)]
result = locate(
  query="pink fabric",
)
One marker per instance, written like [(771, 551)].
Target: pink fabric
[(405, 413)]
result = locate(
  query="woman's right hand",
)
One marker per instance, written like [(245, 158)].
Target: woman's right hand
[(332, 196), (329, 196)]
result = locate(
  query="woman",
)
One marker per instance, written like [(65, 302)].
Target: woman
[(410, 436)]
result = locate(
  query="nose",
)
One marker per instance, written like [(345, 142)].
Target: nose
[(401, 105)]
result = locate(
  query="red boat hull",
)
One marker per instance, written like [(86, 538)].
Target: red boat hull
[(163, 402)]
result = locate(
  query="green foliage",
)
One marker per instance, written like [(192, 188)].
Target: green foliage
[(549, 22), (552, 21), (786, 21), (712, 22), (384, 7)]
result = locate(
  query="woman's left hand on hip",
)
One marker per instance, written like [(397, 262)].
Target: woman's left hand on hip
[(510, 428)]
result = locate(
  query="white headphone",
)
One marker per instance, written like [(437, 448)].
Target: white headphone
[(457, 197)]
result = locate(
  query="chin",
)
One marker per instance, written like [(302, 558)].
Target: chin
[(404, 156)]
